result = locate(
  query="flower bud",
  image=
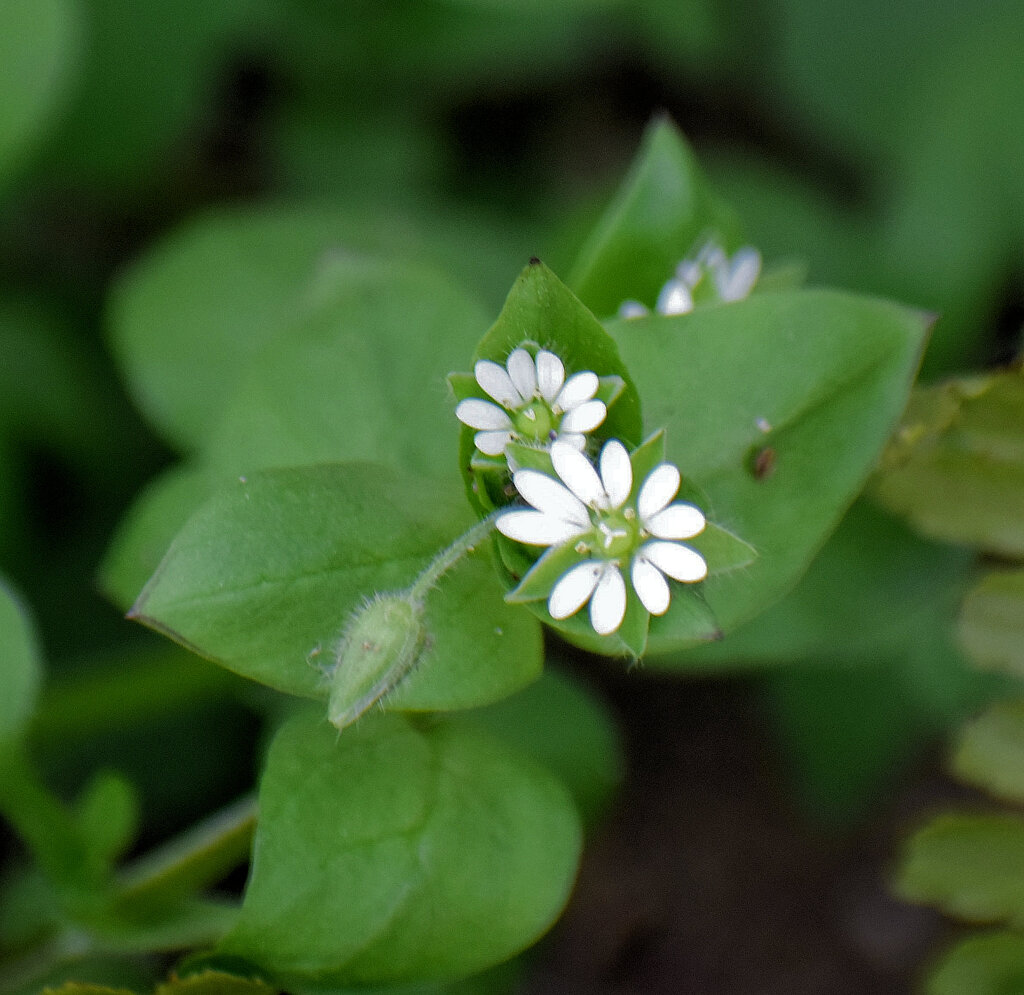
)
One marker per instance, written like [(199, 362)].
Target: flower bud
[(380, 645)]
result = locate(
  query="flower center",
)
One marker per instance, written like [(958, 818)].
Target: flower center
[(615, 533), (534, 422)]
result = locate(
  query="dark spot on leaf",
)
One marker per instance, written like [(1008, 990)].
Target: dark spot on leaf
[(534, 261), (762, 462)]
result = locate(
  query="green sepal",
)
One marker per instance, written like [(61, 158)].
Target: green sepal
[(545, 573)]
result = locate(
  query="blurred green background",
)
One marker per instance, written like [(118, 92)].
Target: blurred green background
[(882, 144)]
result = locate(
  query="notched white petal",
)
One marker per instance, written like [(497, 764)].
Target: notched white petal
[(578, 474), (492, 443), (534, 528), (482, 414), (548, 495), (496, 382), (608, 602), (677, 521), (550, 375), (580, 387), (573, 589), (657, 491), (616, 472), (650, 586), (679, 562), (585, 417), (523, 372), (575, 439), (735, 281)]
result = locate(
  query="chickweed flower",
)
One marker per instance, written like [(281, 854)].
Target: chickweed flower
[(534, 403), (707, 274), (612, 532)]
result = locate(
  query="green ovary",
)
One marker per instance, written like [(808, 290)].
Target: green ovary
[(616, 534), (535, 422)]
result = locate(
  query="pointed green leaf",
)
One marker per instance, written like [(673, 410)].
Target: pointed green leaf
[(214, 983), (662, 210), (20, 666), (971, 866), (541, 310), (989, 964), (819, 377), (992, 622), (399, 852), (144, 533), (990, 751), (264, 577)]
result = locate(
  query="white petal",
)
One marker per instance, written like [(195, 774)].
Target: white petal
[(650, 586), (492, 443), (677, 521), (608, 604), (573, 588), (482, 414), (535, 528), (575, 439), (679, 562), (548, 495), (737, 280), (577, 473), (657, 491), (616, 472), (497, 383), (674, 299), (550, 375), (578, 388), (584, 418), (523, 372), (632, 309)]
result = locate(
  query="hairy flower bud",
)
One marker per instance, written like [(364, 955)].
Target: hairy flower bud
[(380, 645)]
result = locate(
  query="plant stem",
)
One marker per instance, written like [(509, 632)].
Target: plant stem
[(449, 556)]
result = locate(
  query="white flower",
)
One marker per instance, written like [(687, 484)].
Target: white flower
[(535, 403), (593, 509), (729, 280)]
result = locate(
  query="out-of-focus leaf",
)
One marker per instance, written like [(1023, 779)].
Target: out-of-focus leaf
[(971, 866), (20, 666), (990, 751), (988, 964), (955, 469), (38, 43), (360, 376), (992, 622), (438, 853), (214, 983)]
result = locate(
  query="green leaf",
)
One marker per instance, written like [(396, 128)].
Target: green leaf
[(990, 751), (956, 467), (20, 666), (872, 570), (359, 375), (214, 983), (989, 964), (84, 988), (108, 816), (263, 578), (144, 533), (992, 622), (971, 866), (38, 39), (401, 852), (564, 725), (242, 276), (662, 210), (819, 377)]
